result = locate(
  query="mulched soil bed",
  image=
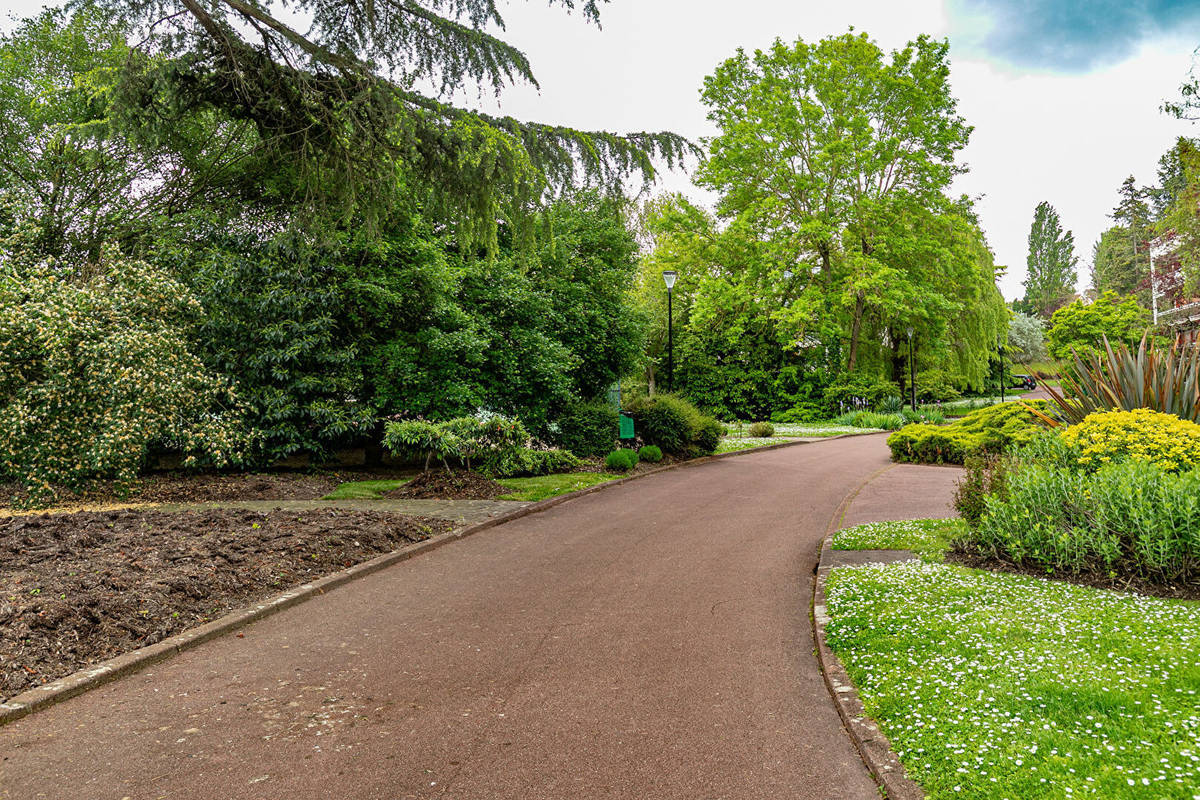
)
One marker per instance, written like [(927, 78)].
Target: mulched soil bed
[(76, 589), (439, 484), (191, 487), (596, 464), (1095, 580)]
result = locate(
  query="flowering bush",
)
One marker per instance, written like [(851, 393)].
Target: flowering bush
[(94, 372), (1107, 437)]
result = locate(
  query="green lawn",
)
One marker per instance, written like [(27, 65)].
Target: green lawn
[(533, 489), (363, 490), (927, 537), (1004, 686), (785, 432)]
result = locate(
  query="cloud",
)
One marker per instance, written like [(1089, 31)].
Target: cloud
[(1070, 35)]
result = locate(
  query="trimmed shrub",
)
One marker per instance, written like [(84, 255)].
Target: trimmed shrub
[(995, 429), (621, 460), (674, 425), (760, 430), (524, 462), (588, 429), (650, 453), (1111, 437)]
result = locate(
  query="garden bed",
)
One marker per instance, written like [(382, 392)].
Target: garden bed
[(77, 589), (207, 487)]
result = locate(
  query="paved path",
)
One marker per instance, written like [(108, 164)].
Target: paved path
[(647, 641)]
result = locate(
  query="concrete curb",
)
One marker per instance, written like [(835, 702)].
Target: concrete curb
[(876, 751), (84, 680)]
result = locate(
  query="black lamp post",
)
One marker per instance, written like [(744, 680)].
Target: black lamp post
[(669, 276), (1000, 348), (912, 370)]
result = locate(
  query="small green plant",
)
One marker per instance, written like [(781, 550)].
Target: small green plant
[(985, 477), (415, 438), (650, 453), (760, 430), (621, 460), (587, 429)]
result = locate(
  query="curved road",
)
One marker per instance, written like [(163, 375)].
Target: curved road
[(647, 641)]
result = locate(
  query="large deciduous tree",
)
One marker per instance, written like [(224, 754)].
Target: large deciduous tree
[(1051, 263), (838, 156)]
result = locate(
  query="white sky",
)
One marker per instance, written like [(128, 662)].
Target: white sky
[(1066, 138)]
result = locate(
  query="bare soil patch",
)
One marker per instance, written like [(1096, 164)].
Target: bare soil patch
[(440, 484), (76, 589), (1095, 580), (207, 487)]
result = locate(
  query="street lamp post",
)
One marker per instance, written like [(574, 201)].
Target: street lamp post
[(912, 370), (1000, 348), (669, 276)]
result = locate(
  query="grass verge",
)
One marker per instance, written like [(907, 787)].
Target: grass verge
[(996, 686), (363, 490), (530, 490), (928, 538)]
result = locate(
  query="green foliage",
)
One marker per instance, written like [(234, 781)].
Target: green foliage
[(650, 453), (1081, 329), (989, 430), (936, 386), (760, 430), (96, 370), (1126, 379), (985, 476), (799, 414), (1131, 519), (871, 419), (1111, 437), (415, 438), (674, 425), (857, 391), (588, 429), (621, 460), (524, 461), (271, 323), (1051, 272), (1116, 264)]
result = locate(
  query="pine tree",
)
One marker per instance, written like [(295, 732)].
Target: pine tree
[(1051, 275)]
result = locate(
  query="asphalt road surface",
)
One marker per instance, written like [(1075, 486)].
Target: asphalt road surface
[(647, 641)]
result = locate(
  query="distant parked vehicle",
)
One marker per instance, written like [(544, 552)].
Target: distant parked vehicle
[(1024, 381)]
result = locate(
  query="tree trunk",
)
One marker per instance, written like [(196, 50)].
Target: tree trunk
[(856, 329)]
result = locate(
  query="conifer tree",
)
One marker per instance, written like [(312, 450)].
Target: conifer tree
[(1051, 276)]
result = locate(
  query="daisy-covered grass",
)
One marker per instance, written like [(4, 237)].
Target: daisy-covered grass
[(1002, 686), (929, 537)]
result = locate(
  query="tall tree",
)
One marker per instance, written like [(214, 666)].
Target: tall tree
[(338, 110), (1051, 273), (825, 150)]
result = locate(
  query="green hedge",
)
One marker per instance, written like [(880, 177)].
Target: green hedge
[(588, 429), (674, 425)]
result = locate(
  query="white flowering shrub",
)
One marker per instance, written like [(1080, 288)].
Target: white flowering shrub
[(95, 371)]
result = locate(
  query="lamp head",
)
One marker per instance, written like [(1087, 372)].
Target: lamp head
[(669, 276)]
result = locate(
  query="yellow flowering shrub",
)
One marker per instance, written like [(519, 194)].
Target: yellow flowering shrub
[(96, 371), (1108, 437)]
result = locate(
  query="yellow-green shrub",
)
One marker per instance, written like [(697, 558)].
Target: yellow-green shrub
[(1107, 437)]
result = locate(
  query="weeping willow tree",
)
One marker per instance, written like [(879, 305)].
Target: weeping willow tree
[(357, 104)]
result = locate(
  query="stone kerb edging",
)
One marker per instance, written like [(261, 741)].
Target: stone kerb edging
[(84, 680), (872, 744)]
